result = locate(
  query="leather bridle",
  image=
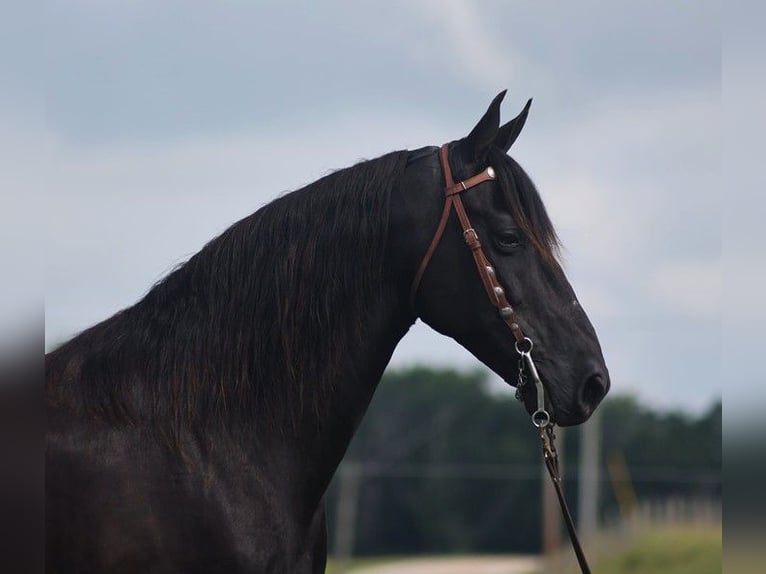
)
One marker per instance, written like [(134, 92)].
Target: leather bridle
[(486, 271), (496, 294)]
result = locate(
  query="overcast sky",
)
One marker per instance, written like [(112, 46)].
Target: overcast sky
[(167, 121)]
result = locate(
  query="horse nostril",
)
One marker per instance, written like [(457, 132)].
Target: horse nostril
[(593, 390)]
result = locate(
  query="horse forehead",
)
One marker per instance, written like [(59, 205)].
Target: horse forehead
[(487, 199)]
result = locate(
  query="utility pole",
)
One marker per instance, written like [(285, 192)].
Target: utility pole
[(589, 479), (350, 474)]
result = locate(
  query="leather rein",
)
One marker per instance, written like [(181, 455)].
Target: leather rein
[(496, 294)]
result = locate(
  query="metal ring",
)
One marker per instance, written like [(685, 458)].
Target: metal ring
[(526, 340), (541, 418)]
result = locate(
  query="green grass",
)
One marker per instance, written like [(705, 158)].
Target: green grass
[(681, 550), (334, 568), (670, 551)]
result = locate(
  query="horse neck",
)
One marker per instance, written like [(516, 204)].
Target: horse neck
[(322, 438)]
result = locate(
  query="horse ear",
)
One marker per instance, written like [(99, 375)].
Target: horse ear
[(508, 133), (477, 143)]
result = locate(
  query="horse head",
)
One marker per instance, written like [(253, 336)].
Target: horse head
[(490, 278)]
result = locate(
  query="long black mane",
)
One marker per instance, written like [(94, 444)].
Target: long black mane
[(273, 303), (237, 331)]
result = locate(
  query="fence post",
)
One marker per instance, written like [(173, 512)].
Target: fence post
[(350, 474), (589, 480)]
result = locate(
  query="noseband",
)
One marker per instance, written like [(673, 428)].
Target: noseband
[(496, 294)]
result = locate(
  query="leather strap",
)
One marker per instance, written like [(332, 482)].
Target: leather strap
[(484, 267), (551, 458), (429, 253)]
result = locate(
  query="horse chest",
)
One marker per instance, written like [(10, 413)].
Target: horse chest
[(132, 505)]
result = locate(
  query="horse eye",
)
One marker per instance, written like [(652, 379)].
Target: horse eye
[(508, 241)]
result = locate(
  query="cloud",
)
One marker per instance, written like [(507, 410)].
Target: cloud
[(592, 220), (24, 152), (121, 215), (467, 43), (692, 288)]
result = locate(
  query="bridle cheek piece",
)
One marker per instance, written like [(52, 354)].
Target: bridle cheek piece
[(452, 200), (496, 294), (495, 291)]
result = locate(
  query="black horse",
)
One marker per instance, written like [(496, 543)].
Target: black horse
[(198, 430)]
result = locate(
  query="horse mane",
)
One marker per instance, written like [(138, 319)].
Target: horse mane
[(253, 326), (524, 202)]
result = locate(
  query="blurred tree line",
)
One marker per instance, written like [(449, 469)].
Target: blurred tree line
[(444, 464)]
